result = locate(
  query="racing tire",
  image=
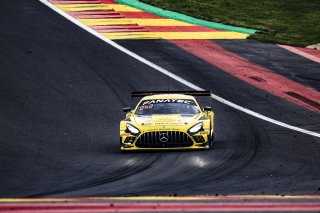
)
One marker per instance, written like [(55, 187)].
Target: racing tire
[(211, 140)]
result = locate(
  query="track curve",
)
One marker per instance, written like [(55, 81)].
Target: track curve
[(62, 92)]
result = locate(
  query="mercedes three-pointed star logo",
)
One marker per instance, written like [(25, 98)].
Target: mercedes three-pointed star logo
[(163, 137)]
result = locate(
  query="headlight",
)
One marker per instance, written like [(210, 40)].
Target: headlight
[(132, 129), (195, 129)]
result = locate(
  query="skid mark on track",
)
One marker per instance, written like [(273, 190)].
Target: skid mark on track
[(126, 171), (175, 77)]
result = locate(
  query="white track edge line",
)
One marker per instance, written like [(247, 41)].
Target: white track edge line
[(175, 77)]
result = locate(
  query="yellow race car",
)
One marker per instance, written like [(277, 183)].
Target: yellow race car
[(167, 120)]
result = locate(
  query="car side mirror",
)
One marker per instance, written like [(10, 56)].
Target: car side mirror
[(207, 108), (127, 109)]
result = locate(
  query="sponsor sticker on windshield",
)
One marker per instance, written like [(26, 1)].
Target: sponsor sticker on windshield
[(143, 107), (167, 106), (160, 101)]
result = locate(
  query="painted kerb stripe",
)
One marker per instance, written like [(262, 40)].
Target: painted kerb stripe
[(166, 198), (161, 207)]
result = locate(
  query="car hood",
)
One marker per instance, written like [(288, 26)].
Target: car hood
[(166, 120)]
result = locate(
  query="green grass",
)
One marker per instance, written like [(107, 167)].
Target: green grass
[(292, 22)]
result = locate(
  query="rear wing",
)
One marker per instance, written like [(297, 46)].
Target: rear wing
[(192, 93)]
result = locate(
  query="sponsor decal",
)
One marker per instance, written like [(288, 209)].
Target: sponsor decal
[(161, 129), (158, 101), (143, 107)]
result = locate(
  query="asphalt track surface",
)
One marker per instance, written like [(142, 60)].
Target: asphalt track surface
[(61, 97)]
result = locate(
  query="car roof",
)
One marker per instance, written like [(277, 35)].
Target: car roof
[(168, 96)]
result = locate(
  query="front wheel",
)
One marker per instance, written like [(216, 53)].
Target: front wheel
[(211, 140)]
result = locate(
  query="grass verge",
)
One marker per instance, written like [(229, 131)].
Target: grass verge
[(292, 22)]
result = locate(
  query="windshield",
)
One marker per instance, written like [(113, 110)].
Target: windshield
[(167, 106)]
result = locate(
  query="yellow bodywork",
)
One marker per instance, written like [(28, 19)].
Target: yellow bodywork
[(174, 126)]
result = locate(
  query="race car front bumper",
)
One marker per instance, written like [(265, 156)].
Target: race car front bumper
[(167, 140)]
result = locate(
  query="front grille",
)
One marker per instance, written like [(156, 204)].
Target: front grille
[(157, 140)]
